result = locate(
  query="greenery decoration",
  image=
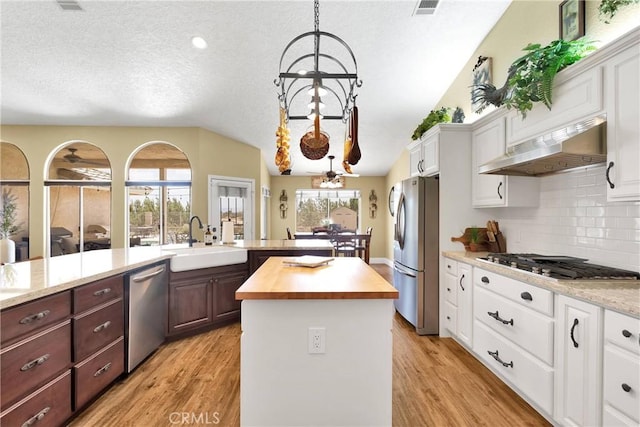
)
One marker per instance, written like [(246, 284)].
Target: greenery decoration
[(530, 77), (434, 117), (8, 213), (608, 8)]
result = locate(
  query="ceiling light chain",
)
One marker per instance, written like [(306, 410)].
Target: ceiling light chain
[(339, 84)]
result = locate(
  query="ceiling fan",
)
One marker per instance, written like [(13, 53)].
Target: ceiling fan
[(331, 174), (73, 158)]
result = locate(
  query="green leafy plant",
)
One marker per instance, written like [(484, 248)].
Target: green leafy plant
[(530, 77), (608, 8), (434, 117), (8, 213)]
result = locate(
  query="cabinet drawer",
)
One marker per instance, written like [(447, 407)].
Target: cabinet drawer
[(525, 327), (97, 372), (532, 377), (51, 404), (450, 317), (95, 329), (451, 288), (97, 293), (451, 266), (19, 321), (622, 373), (622, 330), (33, 362), (611, 417), (530, 296)]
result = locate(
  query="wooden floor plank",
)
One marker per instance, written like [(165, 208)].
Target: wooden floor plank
[(436, 382)]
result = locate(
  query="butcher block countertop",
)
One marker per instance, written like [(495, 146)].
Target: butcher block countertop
[(283, 244), (622, 296), (26, 281), (342, 278)]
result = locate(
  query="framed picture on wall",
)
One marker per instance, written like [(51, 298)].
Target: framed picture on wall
[(571, 19)]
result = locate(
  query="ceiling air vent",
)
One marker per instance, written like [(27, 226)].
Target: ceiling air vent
[(426, 7), (68, 5)]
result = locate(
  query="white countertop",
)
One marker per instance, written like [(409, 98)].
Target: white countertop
[(619, 295), (25, 281)]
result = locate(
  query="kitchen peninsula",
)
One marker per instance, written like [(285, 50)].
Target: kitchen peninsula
[(316, 345)]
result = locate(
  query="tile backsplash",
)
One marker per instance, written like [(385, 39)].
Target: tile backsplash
[(574, 218)]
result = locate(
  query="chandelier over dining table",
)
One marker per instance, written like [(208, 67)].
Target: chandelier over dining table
[(319, 79)]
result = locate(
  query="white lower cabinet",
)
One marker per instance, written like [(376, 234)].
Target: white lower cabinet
[(621, 370), (513, 334), (531, 376), (464, 282), (578, 363)]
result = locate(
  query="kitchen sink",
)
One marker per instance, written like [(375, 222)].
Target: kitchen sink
[(187, 258)]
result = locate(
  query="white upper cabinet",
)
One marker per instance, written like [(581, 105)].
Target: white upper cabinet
[(488, 143), (424, 156), (574, 98), (623, 126)]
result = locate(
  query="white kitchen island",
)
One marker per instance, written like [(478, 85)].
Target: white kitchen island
[(281, 382)]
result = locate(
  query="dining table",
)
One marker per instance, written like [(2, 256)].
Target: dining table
[(349, 244)]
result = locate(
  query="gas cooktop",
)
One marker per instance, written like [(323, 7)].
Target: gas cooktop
[(560, 267)]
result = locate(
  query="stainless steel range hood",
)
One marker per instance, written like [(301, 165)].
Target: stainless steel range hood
[(581, 144)]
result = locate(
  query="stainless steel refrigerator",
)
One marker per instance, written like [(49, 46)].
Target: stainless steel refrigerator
[(415, 252)]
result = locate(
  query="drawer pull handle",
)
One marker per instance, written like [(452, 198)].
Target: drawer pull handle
[(448, 318), (526, 296), (102, 292), (102, 327), (626, 333), (485, 279), (500, 319), (448, 289), (102, 370), (495, 356), (449, 266), (499, 185), (35, 362), (37, 417), (34, 317), (573, 327), (461, 279), (626, 387)]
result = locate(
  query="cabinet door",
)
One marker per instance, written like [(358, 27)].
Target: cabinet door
[(190, 304), (225, 305), (488, 143), (431, 155), (465, 303), (623, 127), (578, 380), (415, 159)]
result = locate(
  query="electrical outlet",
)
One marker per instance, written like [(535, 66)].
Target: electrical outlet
[(317, 340)]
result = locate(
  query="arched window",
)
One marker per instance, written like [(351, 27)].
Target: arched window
[(159, 195), (79, 194), (14, 188)]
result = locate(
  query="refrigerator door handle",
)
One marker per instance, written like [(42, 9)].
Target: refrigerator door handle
[(403, 271), (400, 221)]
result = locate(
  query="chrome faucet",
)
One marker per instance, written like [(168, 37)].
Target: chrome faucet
[(191, 228)]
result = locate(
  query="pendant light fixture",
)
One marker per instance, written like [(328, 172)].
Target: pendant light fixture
[(313, 82)]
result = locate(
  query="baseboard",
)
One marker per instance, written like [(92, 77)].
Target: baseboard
[(384, 261)]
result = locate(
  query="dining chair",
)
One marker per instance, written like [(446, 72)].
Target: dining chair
[(363, 246), (344, 244), (289, 236)]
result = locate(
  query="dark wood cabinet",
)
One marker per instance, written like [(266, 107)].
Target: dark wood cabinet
[(258, 257), (201, 299), (95, 373)]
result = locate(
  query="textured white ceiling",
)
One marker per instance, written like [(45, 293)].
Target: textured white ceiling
[(131, 63)]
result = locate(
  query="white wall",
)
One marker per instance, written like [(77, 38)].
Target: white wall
[(574, 218)]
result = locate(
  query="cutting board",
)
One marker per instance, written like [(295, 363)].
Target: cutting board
[(482, 244)]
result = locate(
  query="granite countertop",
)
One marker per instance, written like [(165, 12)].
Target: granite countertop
[(619, 295), (283, 244), (341, 278), (25, 281)]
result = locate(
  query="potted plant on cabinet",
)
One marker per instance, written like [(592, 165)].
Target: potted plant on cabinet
[(8, 214)]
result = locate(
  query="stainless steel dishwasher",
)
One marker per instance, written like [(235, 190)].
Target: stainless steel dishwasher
[(146, 311)]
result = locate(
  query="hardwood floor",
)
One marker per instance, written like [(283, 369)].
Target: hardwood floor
[(196, 382)]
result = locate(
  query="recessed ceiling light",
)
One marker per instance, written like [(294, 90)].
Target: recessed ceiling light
[(199, 42)]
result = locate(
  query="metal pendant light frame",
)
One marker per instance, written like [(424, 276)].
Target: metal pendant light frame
[(340, 86)]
